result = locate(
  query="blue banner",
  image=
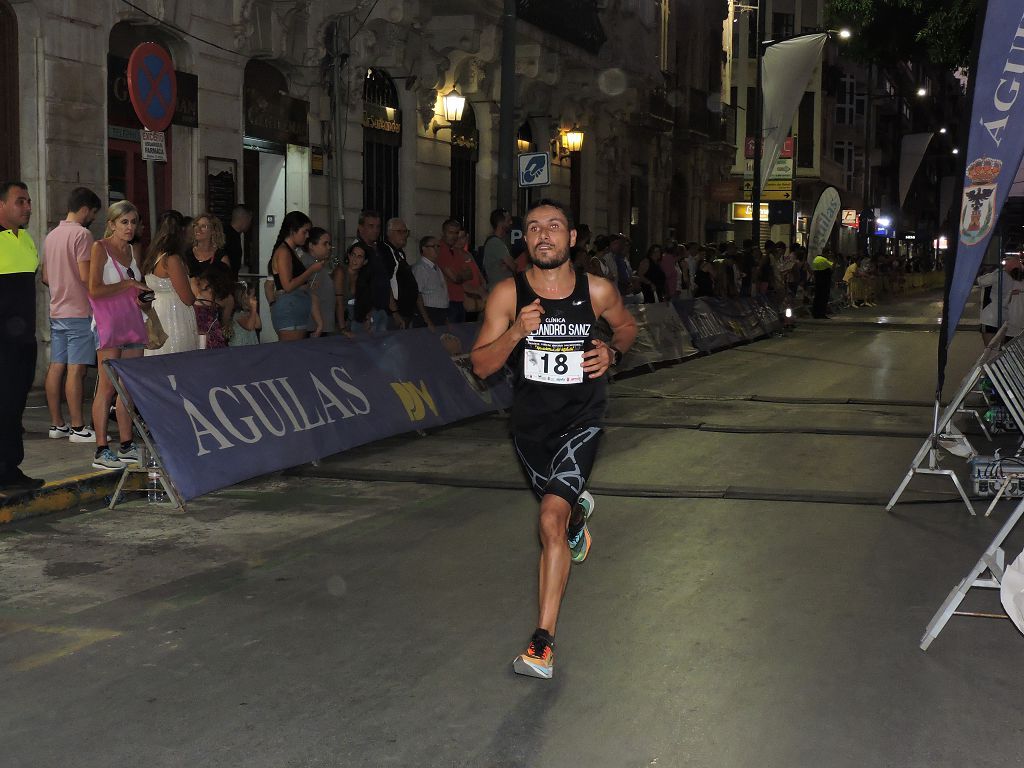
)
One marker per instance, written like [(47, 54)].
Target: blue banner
[(995, 146), (221, 416)]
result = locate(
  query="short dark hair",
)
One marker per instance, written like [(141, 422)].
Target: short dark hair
[(424, 240), (83, 197), (449, 221), (602, 242), (315, 234), (241, 208), (547, 202), (497, 216), (368, 213), (7, 186)]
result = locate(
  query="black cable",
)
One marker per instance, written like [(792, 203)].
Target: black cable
[(178, 29)]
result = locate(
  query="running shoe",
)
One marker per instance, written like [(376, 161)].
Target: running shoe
[(106, 459), (82, 435), (579, 545), (56, 433), (129, 455), (538, 660)]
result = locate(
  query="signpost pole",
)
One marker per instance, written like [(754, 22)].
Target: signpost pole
[(151, 192)]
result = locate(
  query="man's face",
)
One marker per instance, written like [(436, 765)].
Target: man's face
[(15, 208), (243, 221), (451, 234), (398, 234), (548, 237), (369, 230), (89, 217), (429, 250)]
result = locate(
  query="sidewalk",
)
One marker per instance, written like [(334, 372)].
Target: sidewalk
[(72, 483)]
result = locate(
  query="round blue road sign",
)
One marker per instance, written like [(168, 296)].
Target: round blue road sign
[(152, 86)]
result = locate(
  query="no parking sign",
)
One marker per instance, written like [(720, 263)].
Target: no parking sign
[(152, 85)]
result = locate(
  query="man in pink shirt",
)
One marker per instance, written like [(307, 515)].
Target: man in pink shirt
[(72, 343)]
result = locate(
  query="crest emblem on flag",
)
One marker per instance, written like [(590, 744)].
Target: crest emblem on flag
[(978, 211)]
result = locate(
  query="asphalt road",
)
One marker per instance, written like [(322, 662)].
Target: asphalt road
[(747, 602)]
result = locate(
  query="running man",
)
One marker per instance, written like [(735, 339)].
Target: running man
[(543, 322)]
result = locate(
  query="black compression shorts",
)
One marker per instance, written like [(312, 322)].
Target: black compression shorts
[(561, 465)]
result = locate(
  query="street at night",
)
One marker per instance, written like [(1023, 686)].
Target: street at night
[(748, 601)]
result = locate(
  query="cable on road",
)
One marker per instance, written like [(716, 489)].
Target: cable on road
[(617, 392), (725, 493)]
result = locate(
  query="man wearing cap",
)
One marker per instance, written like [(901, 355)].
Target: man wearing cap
[(18, 264)]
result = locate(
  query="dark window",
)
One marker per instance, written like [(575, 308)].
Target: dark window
[(805, 137), (463, 183), (782, 25), (380, 148), (752, 36)]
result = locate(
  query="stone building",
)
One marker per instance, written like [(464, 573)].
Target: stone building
[(255, 109)]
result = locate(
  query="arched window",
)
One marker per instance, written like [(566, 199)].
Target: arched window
[(465, 145), (10, 166), (382, 138)]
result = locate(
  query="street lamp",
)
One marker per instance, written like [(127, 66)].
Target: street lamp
[(942, 130), (572, 140), (922, 91), (454, 103), (956, 150)]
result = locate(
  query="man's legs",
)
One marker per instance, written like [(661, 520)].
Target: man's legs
[(554, 560), (19, 365), (54, 379), (74, 393)]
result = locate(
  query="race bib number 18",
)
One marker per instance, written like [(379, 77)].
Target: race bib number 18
[(550, 367)]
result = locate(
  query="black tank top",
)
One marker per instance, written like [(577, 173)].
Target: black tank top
[(552, 395), (297, 267)]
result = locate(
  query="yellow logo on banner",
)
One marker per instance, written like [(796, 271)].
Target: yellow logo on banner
[(415, 399)]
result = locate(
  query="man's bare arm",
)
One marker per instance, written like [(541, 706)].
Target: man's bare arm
[(502, 329)]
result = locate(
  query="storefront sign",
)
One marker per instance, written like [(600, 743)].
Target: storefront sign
[(378, 118), (119, 105), (850, 218), (745, 211), (274, 116)]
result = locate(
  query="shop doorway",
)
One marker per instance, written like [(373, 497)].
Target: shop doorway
[(465, 148)]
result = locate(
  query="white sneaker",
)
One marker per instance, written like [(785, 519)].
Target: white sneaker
[(56, 433), (82, 435)]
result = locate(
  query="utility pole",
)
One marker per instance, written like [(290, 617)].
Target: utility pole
[(338, 60), (755, 196), (507, 110)]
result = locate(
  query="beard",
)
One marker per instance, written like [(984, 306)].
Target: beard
[(550, 261)]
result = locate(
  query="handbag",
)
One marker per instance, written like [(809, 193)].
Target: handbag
[(118, 317), (156, 336)]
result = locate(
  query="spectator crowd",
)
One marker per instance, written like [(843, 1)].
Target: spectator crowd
[(111, 300)]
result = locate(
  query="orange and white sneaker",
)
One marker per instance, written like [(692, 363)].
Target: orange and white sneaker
[(539, 658)]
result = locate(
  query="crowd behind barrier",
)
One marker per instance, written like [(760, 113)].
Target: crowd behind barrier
[(190, 279), (223, 416)]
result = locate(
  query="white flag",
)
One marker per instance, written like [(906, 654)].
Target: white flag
[(787, 69)]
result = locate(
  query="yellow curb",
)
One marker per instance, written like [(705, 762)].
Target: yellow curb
[(63, 496)]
